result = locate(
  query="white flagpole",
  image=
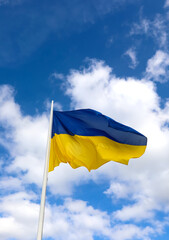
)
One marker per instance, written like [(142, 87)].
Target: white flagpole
[(45, 179)]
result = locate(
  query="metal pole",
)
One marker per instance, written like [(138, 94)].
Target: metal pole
[(45, 179)]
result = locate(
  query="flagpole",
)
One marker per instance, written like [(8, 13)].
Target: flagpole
[(45, 179)]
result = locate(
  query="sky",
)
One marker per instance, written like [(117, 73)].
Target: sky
[(111, 56)]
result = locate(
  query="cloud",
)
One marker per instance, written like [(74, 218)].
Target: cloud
[(10, 184), (97, 87), (158, 67), (131, 53), (75, 219), (166, 4), (156, 28), (118, 190), (142, 210), (23, 136), (58, 76), (19, 215)]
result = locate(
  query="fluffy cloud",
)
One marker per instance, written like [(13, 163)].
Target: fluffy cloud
[(23, 136), (10, 184), (18, 216), (75, 219), (119, 190), (97, 87), (158, 67)]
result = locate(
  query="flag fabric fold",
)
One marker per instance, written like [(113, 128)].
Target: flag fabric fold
[(88, 138)]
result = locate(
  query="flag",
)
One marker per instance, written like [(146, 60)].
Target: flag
[(88, 138)]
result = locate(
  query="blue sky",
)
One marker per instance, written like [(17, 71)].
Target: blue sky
[(111, 56)]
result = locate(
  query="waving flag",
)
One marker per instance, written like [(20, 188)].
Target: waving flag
[(88, 138)]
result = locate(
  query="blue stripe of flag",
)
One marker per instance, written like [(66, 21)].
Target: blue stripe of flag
[(88, 122)]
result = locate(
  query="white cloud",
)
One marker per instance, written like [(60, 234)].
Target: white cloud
[(23, 136), (10, 184), (158, 67), (156, 29), (118, 190), (63, 179), (140, 211), (130, 231), (97, 87), (18, 216), (132, 55), (75, 219), (166, 3), (56, 75)]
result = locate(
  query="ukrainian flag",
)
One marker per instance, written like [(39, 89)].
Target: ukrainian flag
[(88, 138)]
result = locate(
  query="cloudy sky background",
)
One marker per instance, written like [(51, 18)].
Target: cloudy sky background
[(111, 56)]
